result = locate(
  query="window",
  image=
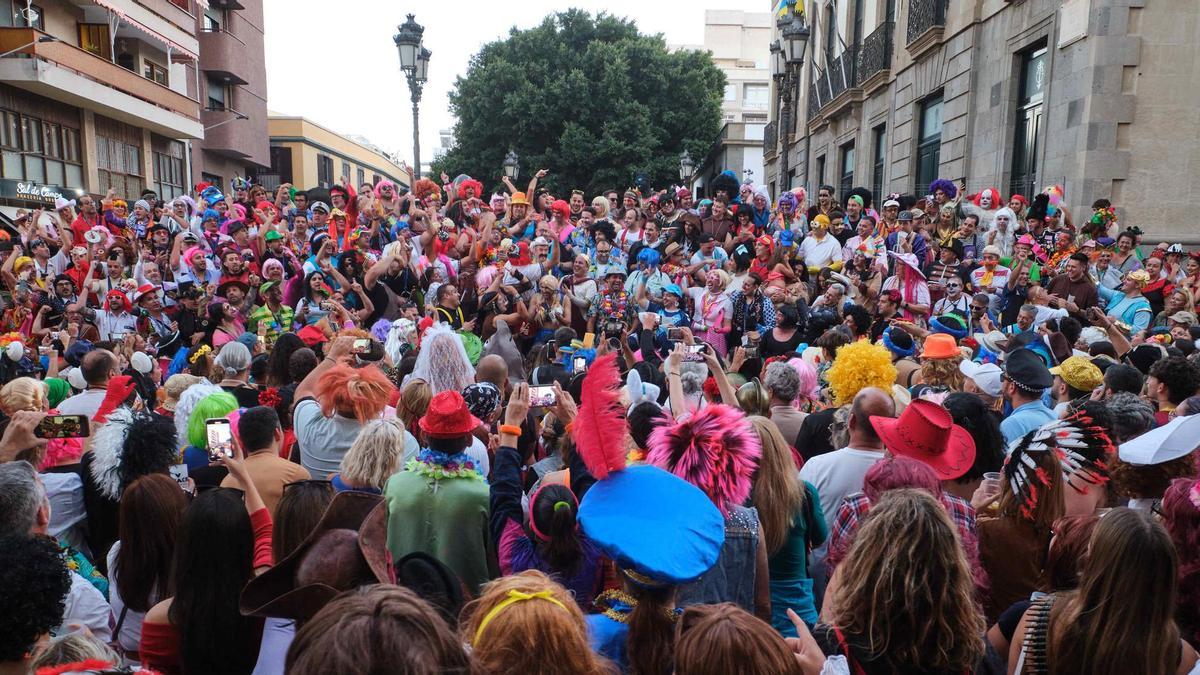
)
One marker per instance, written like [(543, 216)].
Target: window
[(168, 168), (830, 32), (39, 151), (929, 143), (94, 38), (1028, 121), (821, 170), (754, 96), (362, 177), (33, 17), (214, 18), (182, 4), (155, 72), (281, 163), (846, 181), (218, 92), (346, 170), (730, 92), (375, 178), (120, 165), (879, 144), (324, 170), (213, 179)]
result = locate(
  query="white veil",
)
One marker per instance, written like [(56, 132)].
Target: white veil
[(442, 360)]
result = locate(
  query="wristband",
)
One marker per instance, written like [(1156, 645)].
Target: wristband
[(569, 425), (510, 429)]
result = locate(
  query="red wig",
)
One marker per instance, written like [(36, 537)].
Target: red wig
[(1020, 198), (997, 198), (470, 182), (425, 187), (561, 208), (360, 393)]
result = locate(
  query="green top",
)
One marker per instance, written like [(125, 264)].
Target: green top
[(791, 561), (1035, 272), (277, 324), (446, 518)]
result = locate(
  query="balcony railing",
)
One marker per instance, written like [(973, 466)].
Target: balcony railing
[(924, 15), (770, 137), (876, 53)]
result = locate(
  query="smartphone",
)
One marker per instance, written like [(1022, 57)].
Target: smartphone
[(327, 306), (675, 334), (180, 473), (117, 337), (220, 438), (542, 396), (63, 426), (262, 342), (578, 364), (361, 346), (695, 352)]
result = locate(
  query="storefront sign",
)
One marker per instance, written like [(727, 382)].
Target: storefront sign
[(29, 191)]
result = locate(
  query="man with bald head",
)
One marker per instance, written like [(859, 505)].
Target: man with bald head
[(492, 368), (839, 473), (97, 367)]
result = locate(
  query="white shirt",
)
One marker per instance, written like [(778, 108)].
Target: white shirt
[(820, 252), (109, 322), (85, 606), (84, 403), (837, 474)]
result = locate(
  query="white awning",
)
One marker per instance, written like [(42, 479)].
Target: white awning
[(170, 44)]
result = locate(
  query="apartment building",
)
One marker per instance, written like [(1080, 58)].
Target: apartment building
[(233, 86), (95, 94), (308, 155), (1096, 95)]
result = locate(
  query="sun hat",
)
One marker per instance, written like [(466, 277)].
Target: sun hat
[(174, 388), (940, 346), (143, 291), (993, 341), (925, 431), (448, 416), (1079, 373), (353, 534), (908, 259), (1184, 317), (267, 285), (1171, 441), (986, 376)]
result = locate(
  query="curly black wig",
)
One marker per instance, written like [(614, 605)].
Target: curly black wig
[(33, 582)]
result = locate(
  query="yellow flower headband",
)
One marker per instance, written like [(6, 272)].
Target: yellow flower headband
[(204, 349), (514, 596)]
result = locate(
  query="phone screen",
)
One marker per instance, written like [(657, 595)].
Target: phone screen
[(542, 397), (579, 364), (220, 438), (675, 334), (695, 352), (63, 426), (362, 346)]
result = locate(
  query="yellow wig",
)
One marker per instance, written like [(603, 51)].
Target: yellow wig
[(859, 365)]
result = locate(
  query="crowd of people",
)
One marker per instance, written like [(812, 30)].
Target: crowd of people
[(437, 431)]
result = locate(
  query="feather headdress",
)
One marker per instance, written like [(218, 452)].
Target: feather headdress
[(599, 427), (715, 449), (1082, 447), (129, 445)]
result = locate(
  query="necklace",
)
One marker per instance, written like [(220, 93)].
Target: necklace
[(605, 603), (438, 466)]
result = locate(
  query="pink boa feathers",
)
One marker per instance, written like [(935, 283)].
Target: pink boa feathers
[(715, 449)]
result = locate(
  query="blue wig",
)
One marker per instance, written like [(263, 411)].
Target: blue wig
[(648, 257), (950, 324)]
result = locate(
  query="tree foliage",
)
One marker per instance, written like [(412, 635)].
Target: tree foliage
[(587, 97)]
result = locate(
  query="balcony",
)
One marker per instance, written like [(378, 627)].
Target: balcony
[(66, 73), (224, 56), (771, 138), (926, 22), (837, 87), (875, 58)]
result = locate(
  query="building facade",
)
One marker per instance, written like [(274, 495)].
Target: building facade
[(308, 155), (1095, 95), (233, 84), (93, 95)]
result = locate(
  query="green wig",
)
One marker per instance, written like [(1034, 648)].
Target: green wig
[(209, 407)]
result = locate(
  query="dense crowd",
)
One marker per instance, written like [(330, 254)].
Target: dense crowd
[(439, 431)]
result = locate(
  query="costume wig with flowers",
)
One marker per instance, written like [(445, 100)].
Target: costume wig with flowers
[(130, 445), (425, 187), (859, 365), (715, 449), (945, 186)]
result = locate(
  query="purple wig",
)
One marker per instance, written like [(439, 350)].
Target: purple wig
[(945, 186)]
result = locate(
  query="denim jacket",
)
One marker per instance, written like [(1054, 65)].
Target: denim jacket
[(732, 578)]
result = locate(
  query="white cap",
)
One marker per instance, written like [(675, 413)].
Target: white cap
[(75, 379), (540, 241), (141, 362), (986, 376), (891, 202), (1171, 441)]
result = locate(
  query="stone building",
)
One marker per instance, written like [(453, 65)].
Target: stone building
[(1096, 95)]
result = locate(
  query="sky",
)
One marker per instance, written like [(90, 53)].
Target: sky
[(341, 69)]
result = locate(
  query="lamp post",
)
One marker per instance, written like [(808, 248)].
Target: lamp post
[(512, 168), (787, 63), (687, 169), (414, 62), (42, 39)]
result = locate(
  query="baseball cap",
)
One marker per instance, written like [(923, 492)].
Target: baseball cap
[(905, 216), (273, 236), (986, 376), (319, 206), (1184, 317)]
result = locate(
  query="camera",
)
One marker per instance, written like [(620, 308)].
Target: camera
[(443, 235), (614, 327)]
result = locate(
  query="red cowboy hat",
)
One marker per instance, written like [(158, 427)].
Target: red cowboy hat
[(925, 431), (448, 416)]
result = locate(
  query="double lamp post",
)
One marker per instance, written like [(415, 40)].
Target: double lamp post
[(787, 60), (414, 62)]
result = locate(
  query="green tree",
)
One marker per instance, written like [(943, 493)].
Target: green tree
[(588, 98)]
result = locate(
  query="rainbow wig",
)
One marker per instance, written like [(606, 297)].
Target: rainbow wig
[(212, 406), (715, 449), (857, 366)]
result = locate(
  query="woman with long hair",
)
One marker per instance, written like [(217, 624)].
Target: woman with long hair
[(139, 563), (225, 322), (1181, 517), (902, 601), (279, 365), (312, 306), (414, 401), (1013, 545), (724, 638), (792, 524), (376, 454), (524, 623), (200, 629), (1121, 619)]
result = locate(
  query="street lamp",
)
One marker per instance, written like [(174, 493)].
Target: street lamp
[(687, 168), (414, 62), (44, 38), (512, 168), (787, 64)]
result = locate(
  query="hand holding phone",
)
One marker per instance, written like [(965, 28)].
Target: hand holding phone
[(63, 426), (542, 397), (695, 353), (220, 438)]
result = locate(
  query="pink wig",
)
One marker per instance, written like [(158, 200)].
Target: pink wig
[(716, 449), (809, 388), (379, 187)]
